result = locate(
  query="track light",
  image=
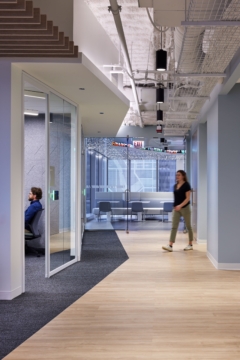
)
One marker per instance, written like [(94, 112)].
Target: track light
[(161, 60), (160, 95), (159, 115)]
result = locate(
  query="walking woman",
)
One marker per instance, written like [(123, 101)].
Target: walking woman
[(182, 192)]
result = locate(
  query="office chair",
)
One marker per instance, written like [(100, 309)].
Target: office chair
[(34, 232), (137, 207), (104, 206), (167, 207)]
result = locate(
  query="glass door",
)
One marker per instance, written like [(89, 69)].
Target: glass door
[(62, 183), (107, 184)]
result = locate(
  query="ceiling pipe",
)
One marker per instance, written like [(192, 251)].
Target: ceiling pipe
[(116, 15)]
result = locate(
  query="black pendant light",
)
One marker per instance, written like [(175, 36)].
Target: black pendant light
[(160, 95), (161, 58), (159, 115)]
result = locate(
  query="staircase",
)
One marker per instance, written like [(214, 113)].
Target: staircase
[(24, 32)]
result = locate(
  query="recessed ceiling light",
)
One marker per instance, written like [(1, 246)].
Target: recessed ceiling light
[(81, 88), (99, 132), (101, 113)]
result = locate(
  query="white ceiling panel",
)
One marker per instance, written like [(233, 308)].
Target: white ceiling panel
[(145, 3), (169, 12)]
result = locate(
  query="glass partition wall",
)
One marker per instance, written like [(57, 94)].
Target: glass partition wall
[(127, 178), (62, 181), (50, 129)]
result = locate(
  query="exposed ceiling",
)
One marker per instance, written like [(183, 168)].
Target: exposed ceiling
[(197, 55), (104, 146)]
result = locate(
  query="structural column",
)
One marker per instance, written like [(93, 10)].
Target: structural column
[(223, 133), (11, 189), (202, 184)]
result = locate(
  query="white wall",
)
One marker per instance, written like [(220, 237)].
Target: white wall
[(180, 164), (91, 38), (60, 12), (5, 185), (11, 181), (229, 177), (212, 181)]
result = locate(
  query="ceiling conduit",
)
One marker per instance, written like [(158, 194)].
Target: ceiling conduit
[(118, 23)]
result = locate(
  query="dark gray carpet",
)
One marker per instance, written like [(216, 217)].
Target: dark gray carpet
[(46, 298)]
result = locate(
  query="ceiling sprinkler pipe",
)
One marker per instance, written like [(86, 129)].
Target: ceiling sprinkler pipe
[(118, 23)]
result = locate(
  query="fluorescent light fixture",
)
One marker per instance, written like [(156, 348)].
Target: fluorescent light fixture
[(116, 72), (31, 112), (34, 94), (112, 66)]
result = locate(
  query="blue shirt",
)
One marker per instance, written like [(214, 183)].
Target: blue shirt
[(34, 207)]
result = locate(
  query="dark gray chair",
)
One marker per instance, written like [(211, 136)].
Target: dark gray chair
[(137, 207), (167, 207), (34, 232), (104, 206)]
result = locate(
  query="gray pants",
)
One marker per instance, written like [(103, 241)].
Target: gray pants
[(186, 213)]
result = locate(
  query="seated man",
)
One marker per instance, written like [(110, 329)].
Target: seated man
[(34, 196)]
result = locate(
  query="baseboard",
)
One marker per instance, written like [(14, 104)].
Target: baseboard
[(223, 266), (201, 241), (10, 295), (213, 261)]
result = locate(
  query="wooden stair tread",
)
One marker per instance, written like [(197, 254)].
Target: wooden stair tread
[(28, 37), (34, 26), (12, 32), (20, 4), (61, 42), (42, 54), (8, 1), (36, 50), (36, 18), (27, 11), (25, 32)]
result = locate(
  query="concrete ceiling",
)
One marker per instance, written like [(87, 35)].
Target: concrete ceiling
[(198, 55), (100, 95)]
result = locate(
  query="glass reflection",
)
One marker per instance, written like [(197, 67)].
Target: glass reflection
[(62, 161)]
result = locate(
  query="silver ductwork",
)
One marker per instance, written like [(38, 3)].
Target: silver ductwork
[(118, 23)]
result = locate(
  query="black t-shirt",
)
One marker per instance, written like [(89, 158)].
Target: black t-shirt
[(180, 194)]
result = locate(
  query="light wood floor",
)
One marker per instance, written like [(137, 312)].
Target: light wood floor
[(60, 242), (157, 305)]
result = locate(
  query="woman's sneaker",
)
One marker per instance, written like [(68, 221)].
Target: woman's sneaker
[(189, 247), (168, 248)]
